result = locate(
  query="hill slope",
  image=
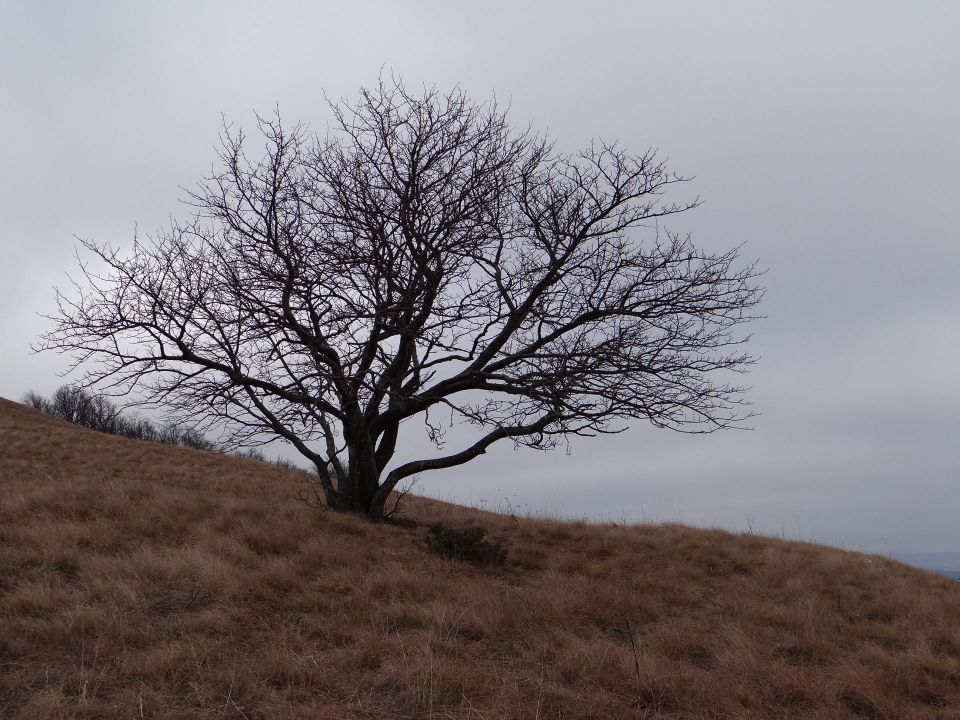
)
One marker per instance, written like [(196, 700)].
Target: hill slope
[(139, 580)]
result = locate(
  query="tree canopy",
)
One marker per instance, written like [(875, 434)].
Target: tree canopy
[(422, 256)]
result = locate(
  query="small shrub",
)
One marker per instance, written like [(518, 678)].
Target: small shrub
[(97, 412), (466, 543), (250, 454)]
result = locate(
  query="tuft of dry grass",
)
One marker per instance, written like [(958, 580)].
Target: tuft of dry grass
[(142, 581)]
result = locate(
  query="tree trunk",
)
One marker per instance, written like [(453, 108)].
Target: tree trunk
[(357, 492), (377, 506)]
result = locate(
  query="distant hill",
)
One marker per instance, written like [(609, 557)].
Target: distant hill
[(147, 581), (945, 563)]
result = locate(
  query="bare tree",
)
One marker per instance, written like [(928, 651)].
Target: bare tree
[(424, 256)]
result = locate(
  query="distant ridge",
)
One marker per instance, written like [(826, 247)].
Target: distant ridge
[(944, 563), (948, 560)]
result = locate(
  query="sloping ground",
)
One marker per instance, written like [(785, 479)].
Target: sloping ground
[(142, 581)]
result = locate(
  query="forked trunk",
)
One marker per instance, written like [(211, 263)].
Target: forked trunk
[(357, 490)]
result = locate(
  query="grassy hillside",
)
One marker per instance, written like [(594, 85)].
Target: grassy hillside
[(142, 581)]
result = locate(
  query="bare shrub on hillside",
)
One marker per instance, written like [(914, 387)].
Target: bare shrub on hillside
[(97, 412), (466, 543)]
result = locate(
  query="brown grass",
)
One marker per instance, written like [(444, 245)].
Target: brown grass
[(141, 581)]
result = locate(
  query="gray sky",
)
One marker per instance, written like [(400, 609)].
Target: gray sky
[(824, 135)]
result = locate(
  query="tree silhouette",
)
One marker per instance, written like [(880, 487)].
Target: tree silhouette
[(424, 256)]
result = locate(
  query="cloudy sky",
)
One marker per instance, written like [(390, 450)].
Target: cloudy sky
[(823, 135)]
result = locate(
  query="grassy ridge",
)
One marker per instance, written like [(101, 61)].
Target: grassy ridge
[(145, 581)]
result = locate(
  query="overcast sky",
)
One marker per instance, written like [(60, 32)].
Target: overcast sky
[(824, 135)]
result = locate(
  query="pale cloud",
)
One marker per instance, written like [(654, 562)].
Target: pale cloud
[(822, 135)]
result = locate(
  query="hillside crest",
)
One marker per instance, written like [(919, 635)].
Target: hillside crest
[(175, 583)]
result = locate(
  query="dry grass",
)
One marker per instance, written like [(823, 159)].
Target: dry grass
[(140, 581)]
